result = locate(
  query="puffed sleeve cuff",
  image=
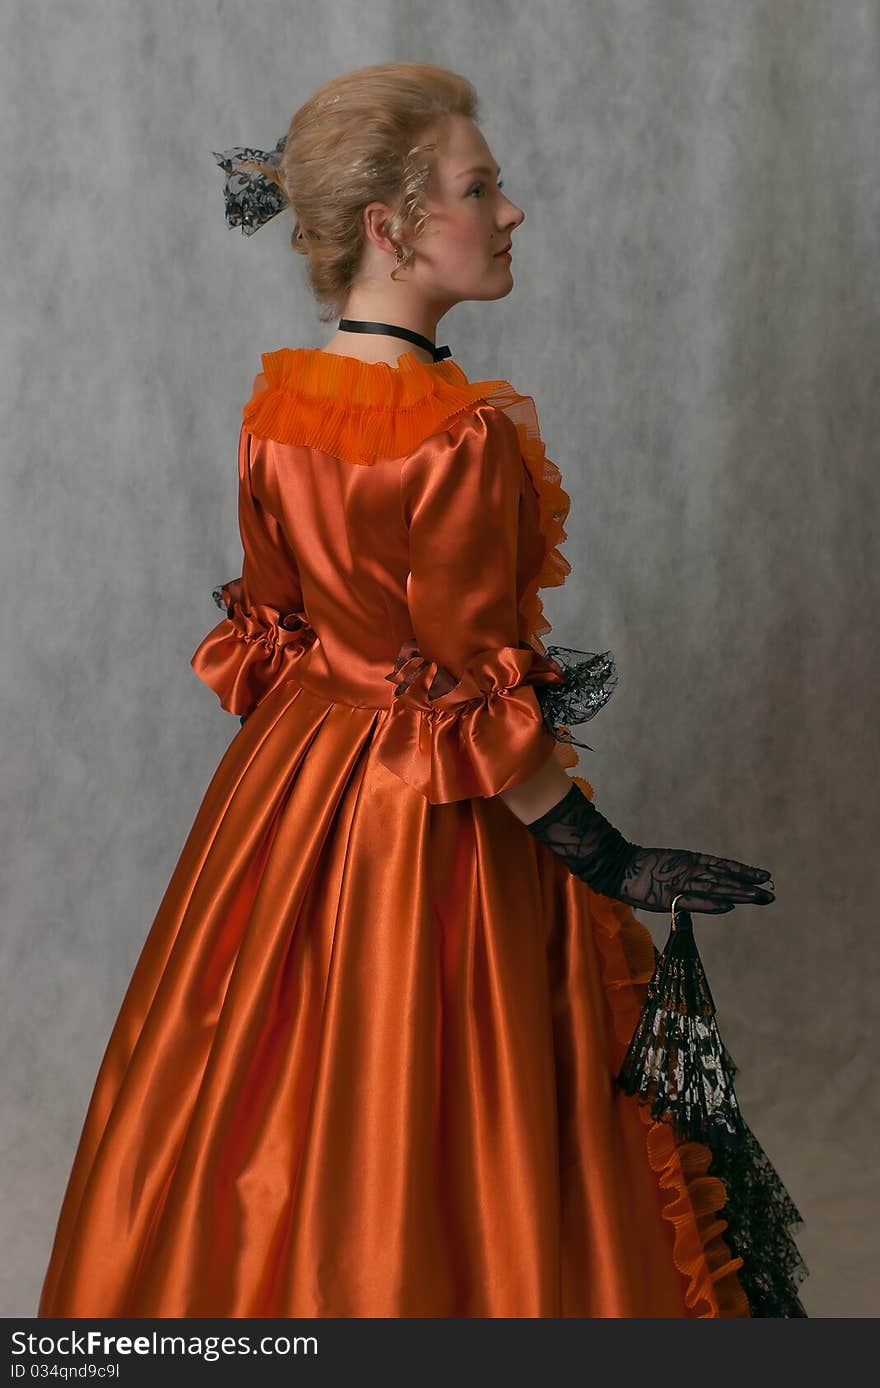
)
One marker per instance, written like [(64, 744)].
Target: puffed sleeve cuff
[(480, 735), (250, 652)]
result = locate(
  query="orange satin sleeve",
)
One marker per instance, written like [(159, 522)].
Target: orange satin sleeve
[(465, 720), (265, 631)]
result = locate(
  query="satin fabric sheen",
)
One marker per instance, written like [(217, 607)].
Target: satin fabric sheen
[(364, 1065)]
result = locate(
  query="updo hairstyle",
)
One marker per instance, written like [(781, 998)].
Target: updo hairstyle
[(356, 141)]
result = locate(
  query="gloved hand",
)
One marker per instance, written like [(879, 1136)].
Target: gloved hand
[(649, 878)]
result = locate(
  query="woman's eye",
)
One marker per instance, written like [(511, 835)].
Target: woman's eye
[(482, 185)]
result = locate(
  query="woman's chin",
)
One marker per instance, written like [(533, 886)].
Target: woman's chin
[(500, 285)]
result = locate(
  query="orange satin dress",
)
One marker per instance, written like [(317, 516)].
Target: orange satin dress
[(364, 1065)]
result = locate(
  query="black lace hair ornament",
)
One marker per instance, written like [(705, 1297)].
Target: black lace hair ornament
[(587, 686), (254, 190), (678, 1064)]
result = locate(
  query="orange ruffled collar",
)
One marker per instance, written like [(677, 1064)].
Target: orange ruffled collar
[(356, 410), (360, 411)]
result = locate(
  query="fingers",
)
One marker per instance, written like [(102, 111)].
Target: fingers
[(706, 905), (716, 900), (715, 884), (733, 868), (735, 881), (733, 890)]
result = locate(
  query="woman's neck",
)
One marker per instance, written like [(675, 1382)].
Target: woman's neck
[(373, 347)]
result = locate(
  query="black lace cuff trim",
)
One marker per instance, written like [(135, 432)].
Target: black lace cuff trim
[(589, 681)]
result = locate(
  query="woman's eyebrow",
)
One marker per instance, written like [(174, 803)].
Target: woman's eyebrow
[(478, 168)]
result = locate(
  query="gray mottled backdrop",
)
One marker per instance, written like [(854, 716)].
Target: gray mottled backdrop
[(696, 313)]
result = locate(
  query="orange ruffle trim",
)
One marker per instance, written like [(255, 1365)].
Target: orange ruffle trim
[(250, 651), (692, 1199), (477, 737), (355, 410), (554, 503)]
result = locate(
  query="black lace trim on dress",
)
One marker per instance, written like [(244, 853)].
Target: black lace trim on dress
[(760, 1213), (699, 1102)]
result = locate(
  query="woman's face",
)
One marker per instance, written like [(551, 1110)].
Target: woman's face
[(471, 221)]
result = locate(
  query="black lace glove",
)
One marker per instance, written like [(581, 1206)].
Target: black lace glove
[(649, 878)]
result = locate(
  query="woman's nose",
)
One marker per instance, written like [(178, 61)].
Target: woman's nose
[(518, 216)]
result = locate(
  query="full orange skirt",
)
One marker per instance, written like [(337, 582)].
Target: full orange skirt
[(364, 1067)]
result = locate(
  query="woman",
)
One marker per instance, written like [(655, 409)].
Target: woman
[(364, 1066)]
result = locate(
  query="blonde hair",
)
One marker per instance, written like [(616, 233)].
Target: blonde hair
[(356, 141)]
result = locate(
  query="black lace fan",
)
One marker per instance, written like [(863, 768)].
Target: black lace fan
[(678, 1064), (676, 1059)]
